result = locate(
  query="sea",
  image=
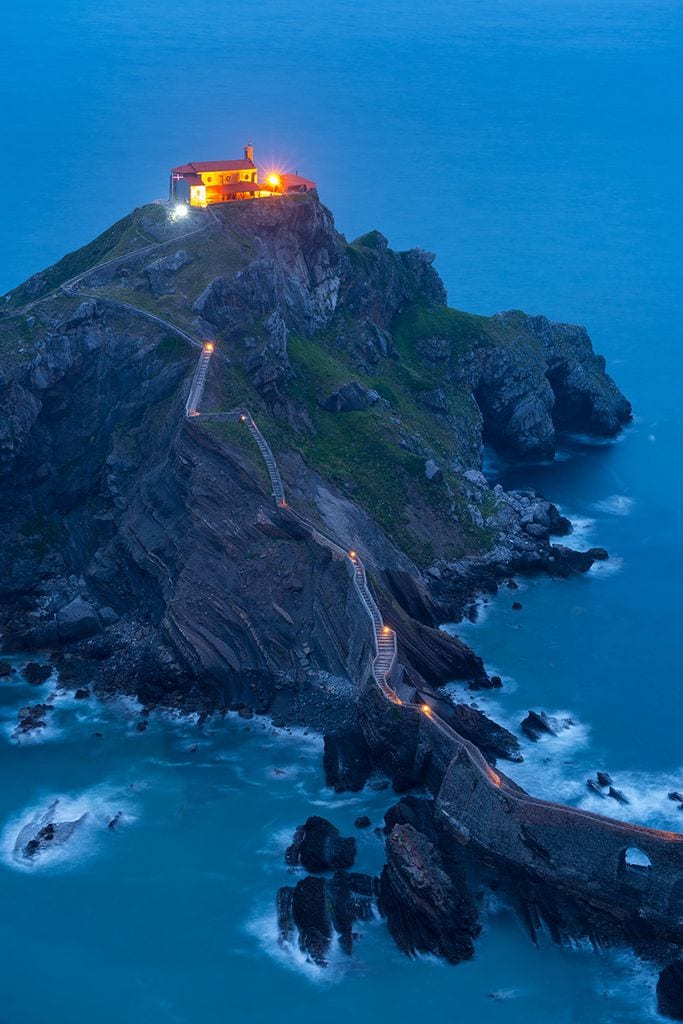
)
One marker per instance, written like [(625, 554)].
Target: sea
[(535, 146)]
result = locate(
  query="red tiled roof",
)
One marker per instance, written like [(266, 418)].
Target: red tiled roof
[(215, 165), (240, 186), (290, 180)]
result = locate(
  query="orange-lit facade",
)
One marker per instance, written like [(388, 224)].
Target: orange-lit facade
[(227, 181)]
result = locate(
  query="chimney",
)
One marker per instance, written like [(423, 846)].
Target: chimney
[(249, 152)]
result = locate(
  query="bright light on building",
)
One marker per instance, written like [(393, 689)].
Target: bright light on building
[(274, 180), (179, 211)]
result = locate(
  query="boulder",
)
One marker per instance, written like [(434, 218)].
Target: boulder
[(35, 673), (76, 621), (362, 821), (82, 693), (350, 397), (605, 779), (6, 669), (319, 846), (670, 991), (433, 473)]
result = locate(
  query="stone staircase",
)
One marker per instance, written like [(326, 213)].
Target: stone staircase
[(268, 458), (194, 398), (385, 657)]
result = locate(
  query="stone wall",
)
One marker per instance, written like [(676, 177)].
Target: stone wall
[(588, 856)]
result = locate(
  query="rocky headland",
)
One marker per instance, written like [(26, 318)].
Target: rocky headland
[(143, 550)]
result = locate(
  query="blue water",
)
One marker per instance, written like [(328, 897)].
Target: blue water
[(535, 146)]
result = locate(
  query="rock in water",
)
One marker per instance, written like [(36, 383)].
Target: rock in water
[(319, 846), (670, 991), (35, 673), (45, 832), (310, 913), (537, 723), (318, 908), (426, 910)]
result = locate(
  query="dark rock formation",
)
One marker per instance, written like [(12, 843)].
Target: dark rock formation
[(427, 911), (318, 910), (547, 379), (670, 991), (494, 740), (35, 673), (6, 669), (346, 760), (32, 718), (538, 723), (362, 821), (319, 846)]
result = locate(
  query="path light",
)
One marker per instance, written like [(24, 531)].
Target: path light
[(425, 709), (180, 210), (386, 629), (208, 346), (243, 418), (352, 555)]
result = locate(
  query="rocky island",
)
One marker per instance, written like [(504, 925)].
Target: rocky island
[(143, 549)]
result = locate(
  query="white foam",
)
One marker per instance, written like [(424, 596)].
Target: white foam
[(92, 810), (609, 567), (583, 527), (264, 927), (647, 793), (615, 505)]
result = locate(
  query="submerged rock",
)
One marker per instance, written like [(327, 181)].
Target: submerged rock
[(45, 832), (319, 846), (32, 718)]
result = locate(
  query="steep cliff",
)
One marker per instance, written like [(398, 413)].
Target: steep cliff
[(150, 541)]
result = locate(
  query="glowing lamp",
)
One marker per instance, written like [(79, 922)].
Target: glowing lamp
[(208, 347), (387, 630), (352, 554), (425, 709), (274, 180), (180, 211)]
